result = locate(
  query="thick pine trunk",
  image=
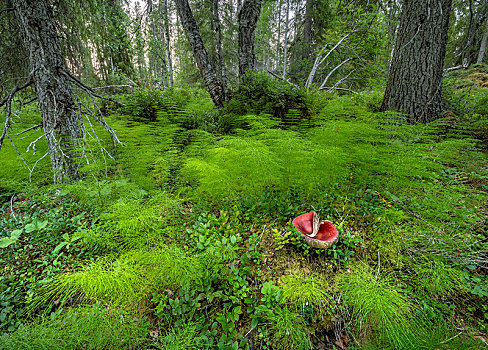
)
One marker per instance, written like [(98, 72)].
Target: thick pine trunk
[(53, 89), (414, 82), (213, 85), (247, 19)]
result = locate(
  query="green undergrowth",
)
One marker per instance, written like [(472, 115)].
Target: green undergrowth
[(182, 237)]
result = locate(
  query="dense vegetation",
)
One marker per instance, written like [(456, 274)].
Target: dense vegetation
[(182, 237)]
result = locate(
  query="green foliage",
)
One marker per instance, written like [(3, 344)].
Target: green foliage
[(261, 93), (378, 306), (287, 330), (124, 280), (302, 290), (93, 327)]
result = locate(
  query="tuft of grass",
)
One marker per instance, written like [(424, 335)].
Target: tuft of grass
[(379, 309), (125, 280), (302, 290), (92, 327), (287, 330)]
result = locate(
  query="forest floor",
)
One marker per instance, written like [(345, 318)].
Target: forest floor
[(182, 237)]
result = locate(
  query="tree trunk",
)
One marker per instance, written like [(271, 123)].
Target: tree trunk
[(415, 76), (218, 35), (307, 30), (285, 49), (247, 19), (167, 49), (53, 89), (481, 54), (213, 85)]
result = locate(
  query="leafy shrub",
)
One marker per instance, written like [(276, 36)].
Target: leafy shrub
[(142, 105), (260, 93)]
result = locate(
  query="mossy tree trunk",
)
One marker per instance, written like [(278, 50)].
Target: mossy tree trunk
[(53, 88), (414, 82)]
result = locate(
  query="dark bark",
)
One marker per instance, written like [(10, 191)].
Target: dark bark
[(307, 30), (481, 53), (167, 49), (213, 85), (247, 19), (218, 36), (415, 76), (53, 89)]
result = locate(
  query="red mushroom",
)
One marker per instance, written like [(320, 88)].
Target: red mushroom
[(315, 233)]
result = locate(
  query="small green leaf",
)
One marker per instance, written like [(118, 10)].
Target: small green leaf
[(29, 228), (254, 323)]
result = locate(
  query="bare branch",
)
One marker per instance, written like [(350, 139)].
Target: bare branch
[(8, 100), (29, 129), (281, 78), (461, 66), (131, 87), (88, 89), (333, 70), (318, 60), (338, 88)]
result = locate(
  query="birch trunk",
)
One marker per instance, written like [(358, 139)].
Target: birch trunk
[(213, 85), (218, 35), (247, 19)]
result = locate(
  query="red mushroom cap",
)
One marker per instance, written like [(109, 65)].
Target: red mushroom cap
[(326, 235)]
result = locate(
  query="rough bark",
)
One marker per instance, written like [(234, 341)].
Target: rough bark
[(53, 89), (213, 85), (285, 48), (218, 36), (415, 76), (307, 30), (247, 19), (481, 53), (167, 49)]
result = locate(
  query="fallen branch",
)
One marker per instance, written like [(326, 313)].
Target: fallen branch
[(464, 65), (338, 88)]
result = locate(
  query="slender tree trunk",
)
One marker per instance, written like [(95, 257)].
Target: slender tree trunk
[(415, 76), (53, 89), (167, 48), (285, 49), (481, 54), (213, 85), (218, 35), (307, 30), (247, 19)]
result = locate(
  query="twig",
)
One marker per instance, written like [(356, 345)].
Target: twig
[(338, 88), (112, 86), (33, 144), (37, 161), (12, 206), (32, 127), (379, 264), (464, 65), (333, 70)]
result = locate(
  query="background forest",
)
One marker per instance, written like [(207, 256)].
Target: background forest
[(154, 154)]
